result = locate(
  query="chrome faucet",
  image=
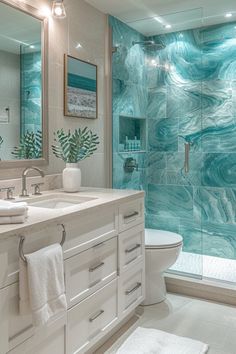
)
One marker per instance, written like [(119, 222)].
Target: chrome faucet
[(24, 192)]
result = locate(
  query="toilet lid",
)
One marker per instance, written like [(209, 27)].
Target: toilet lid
[(162, 239)]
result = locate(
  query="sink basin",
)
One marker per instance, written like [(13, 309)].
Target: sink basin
[(57, 201)]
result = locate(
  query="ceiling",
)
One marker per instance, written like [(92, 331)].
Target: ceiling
[(17, 28), (151, 16)]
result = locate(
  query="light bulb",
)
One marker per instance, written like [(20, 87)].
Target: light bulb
[(58, 9)]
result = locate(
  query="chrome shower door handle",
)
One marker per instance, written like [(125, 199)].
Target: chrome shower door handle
[(186, 159)]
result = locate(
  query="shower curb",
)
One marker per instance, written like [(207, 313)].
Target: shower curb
[(201, 288)]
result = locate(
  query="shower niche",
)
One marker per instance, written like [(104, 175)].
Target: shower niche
[(132, 134)]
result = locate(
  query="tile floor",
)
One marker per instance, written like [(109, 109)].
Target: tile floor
[(212, 323)]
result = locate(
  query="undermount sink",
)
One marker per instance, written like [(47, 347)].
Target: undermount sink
[(57, 201)]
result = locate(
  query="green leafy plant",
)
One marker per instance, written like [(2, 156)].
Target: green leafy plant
[(30, 146), (76, 146)]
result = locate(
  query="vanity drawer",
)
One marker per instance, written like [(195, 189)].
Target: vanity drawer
[(91, 318), (90, 270), (90, 229), (131, 289), (131, 214), (131, 247)]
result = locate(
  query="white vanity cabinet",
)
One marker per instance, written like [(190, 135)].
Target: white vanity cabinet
[(104, 277)]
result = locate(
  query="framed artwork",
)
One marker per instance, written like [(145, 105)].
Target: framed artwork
[(80, 88)]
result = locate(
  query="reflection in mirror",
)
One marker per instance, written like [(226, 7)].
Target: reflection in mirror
[(20, 85)]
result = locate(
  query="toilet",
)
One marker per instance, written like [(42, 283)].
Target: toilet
[(162, 248)]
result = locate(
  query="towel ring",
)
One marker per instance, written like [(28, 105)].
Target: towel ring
[(22, 239)]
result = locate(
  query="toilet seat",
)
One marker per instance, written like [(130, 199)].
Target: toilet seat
[(160, 239)]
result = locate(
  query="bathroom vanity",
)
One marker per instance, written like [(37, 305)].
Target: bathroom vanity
[(103, 263)]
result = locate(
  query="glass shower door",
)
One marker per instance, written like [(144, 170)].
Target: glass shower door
[(157, 124)]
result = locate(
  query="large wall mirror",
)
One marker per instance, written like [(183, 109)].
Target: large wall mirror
[(23, 88)]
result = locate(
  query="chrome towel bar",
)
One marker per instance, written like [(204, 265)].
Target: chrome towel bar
[(22, 239)]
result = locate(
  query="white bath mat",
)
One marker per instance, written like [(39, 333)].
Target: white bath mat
[(153, 341)]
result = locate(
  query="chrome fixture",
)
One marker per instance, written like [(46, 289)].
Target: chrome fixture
[(150, 44), (22, 239), (130, 165), (37, 188), (186, 160), (58, 9), (9, 191), (24, 192)]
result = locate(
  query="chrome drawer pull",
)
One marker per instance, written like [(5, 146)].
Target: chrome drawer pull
[(129, 250), (135, 213), (137, 286), (92, 269), (96, 316)]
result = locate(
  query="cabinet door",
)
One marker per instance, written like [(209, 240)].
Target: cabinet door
[(20, 326), (131, 214), (90, 270), (131, 247), (91, 319), (4, 345), (9, 265), (47, 340)]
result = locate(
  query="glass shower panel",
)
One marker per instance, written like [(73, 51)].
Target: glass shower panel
[(157, 114), (216, 196)]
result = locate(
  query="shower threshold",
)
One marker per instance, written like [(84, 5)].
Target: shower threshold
[(208, 267)]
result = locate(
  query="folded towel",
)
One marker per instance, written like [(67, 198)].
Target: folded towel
[(12, 209), (42, 288), (148, 340), (12, 219)]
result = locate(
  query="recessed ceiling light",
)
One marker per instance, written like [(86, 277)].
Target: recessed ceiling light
[(78, 46), (168, 26), (228, 15)]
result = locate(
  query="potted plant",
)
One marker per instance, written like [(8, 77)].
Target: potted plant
[(72, 148)]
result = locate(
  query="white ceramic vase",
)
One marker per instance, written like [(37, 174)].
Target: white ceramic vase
[(71, 178)]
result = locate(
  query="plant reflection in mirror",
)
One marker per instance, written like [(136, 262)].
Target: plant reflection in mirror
[(30, 146)]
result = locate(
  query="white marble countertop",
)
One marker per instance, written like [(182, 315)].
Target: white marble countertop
[(44, 217)]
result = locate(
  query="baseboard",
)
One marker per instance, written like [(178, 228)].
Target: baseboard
[(204, 289)]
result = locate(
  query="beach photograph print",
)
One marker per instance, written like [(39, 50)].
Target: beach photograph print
[(80, 88)]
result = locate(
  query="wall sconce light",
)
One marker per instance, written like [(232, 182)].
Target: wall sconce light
[(58, 9)]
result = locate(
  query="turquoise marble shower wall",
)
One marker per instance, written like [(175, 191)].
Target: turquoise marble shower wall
[(187, 93), (31, 119), (130, 98)]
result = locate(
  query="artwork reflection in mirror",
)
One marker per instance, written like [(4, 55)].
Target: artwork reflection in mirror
[(20, 85)]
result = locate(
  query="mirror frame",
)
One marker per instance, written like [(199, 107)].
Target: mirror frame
[(29, 10)]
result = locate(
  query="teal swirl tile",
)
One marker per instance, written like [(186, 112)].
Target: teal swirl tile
[(215, 205), (219, 240), (163, 134), (219, 170), (170, 201), (153, 221), (157, 101)]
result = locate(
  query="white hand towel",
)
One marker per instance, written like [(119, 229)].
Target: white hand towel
[(42, 288), (12, 219), (12, 209)]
